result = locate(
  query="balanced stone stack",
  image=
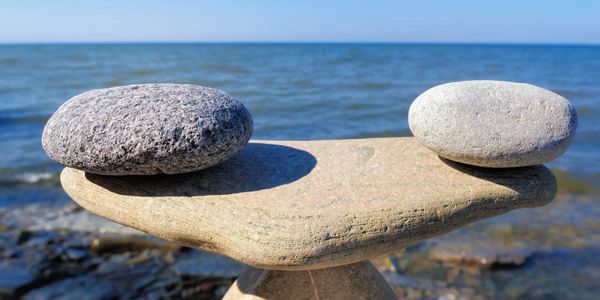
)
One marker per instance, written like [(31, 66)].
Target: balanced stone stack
[(306, 215)]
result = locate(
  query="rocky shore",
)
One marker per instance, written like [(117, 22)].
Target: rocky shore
[(61, 251), (97, 259)]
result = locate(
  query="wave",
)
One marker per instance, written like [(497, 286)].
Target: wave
[(225, 68), (30, 179), (373, 85), (23, 119), (34, 177)]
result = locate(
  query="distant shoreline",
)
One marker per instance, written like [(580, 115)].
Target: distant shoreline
[(345, 43)]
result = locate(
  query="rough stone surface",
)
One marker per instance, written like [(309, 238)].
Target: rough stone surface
[(355, 281), (300, 205), (495, 124), (147, 129)]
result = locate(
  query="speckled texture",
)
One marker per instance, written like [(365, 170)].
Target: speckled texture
[(301, 205), (147, 129), (494, 124)]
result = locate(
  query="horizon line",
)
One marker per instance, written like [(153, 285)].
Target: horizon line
[(483, 43)]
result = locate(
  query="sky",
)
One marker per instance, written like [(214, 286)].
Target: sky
[(423, 21)]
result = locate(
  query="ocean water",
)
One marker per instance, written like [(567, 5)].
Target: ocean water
[(294, 91)]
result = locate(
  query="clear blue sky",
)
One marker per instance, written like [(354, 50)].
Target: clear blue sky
[(506, 21)]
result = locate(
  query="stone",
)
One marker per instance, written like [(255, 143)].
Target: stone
[(395, 279), (115, 263), (495, 124), (355, 281), (83, 287), (301, 205), (75, 254), (13, 278), (147, 129), (208, 265), (131, 242), (482, 253)]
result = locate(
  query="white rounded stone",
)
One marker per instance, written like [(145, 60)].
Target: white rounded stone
[(496, 124)]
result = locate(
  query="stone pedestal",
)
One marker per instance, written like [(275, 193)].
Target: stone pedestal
[(309, 213), (355, 281)]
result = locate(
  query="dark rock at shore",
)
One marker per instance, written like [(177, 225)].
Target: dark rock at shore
[(209, 265), (83, 287), (13, 278), (65, 265), (147, 129), (480, 253)]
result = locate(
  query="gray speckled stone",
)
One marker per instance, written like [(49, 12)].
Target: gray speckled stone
[(147, 129), (494, 124)]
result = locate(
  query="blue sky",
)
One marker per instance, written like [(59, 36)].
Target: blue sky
[(507, 21)]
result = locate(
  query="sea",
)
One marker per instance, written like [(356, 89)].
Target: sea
[(294, 91), (308, 91)]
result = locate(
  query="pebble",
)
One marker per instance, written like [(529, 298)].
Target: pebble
[(47, 268), (75, 254), (495, 124), (147, 129)]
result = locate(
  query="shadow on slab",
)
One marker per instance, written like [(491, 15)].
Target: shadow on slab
[(523, 180), (256, 167)]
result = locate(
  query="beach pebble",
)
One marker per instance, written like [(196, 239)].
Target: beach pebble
[(147, 129), (494, 124)]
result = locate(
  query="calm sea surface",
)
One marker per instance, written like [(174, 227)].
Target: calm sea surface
[(294, 91)]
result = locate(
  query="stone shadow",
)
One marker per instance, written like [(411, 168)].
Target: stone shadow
[(522, 179), (256, 167)]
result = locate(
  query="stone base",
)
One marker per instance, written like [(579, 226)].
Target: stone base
[(356, 281)]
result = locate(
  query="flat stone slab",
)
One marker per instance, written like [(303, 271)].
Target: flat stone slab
[(301, 205), (355, 281)]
